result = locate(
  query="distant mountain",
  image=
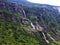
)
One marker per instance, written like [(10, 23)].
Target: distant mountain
[(25, 2)]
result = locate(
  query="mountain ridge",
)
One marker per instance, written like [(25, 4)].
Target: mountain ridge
[(25, 2)]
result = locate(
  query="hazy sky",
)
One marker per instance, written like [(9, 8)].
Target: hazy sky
[(51, 2)]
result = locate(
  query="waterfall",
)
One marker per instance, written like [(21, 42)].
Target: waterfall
[(23, 11), (32, 25), (52, 38), (24, 14), (45, 38)]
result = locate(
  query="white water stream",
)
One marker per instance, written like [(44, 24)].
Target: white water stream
[(45, 38), (32, 25)]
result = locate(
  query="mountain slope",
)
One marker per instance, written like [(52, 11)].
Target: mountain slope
[(28, 25)]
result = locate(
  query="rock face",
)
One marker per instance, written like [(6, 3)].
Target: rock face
[(40, 20)]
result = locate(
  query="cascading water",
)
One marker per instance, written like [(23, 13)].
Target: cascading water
[(45, 38), (24, 14), (32, 25), (52, 38)]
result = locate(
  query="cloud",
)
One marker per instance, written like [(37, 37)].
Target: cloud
[(51, 2)]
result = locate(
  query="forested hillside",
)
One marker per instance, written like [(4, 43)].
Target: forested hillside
[(28, 24)]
